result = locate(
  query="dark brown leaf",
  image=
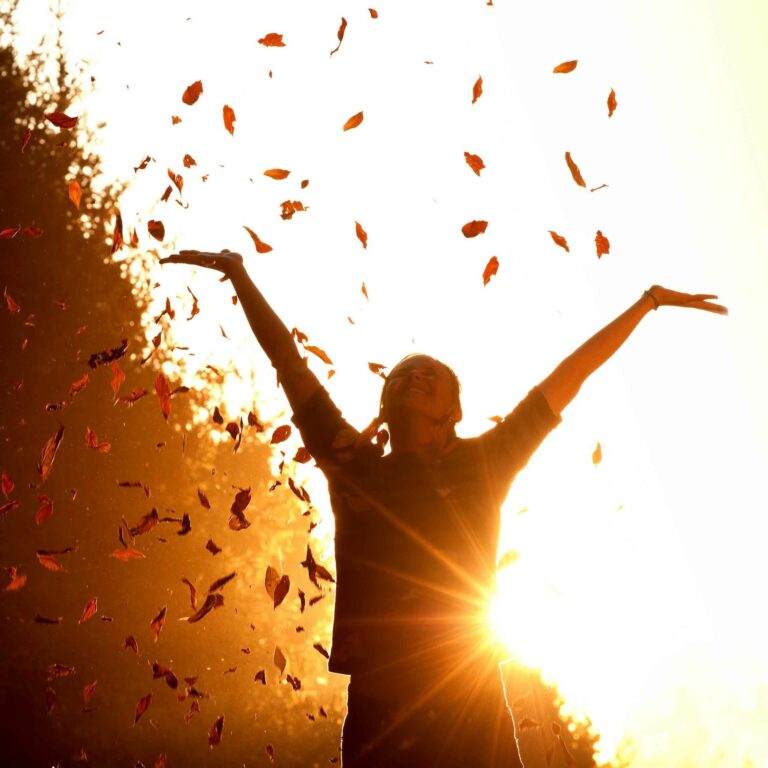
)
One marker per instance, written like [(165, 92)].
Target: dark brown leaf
[(156, 229), (141, 706), (163, 390), (319, 648), (156, 625), (211, 601), (222, 582), (279, 659), (212, 548), (281, 590), (280, 434)]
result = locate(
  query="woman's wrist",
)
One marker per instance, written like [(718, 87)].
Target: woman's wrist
[(652, 298)]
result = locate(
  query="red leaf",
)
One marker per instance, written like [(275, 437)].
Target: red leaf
[(229, 119), (611, 103), (477, 89), (474, 228), (277, 173), (17, 580), (281, 590), (163, 390), (7, 484), (8, 506), (575, 172), (565, 67), (280, 434), (79, 385), (602, 244), (475, 162), (75, 192), (192, 93), (156, 229), (25, 140), (362, 235), (93, 442), (302, 455), (45, 511), (89, 611), (128, 553), (141, 706), (13, 307), (88, 691), (9, 232), (31, 231), (353, 121), (319, 353), (211, 602), (340, 34), (272, 40), (49, 453), (261, 247), (559, 240), (214, 735), (60, 120), (156, 624), (374, 13), (490, 269), (50, 699), (118, 377)]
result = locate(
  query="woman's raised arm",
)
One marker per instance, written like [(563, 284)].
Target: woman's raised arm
[(297, 380), (562, 385)]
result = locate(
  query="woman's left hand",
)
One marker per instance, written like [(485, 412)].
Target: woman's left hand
[(669, 298)]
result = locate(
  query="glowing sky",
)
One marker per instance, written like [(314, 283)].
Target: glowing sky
[(640, 581)]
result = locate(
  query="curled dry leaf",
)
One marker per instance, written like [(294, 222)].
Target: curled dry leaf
[(13, 307), (163, 390), (212, 548), (75, 192), (89, 611), (46, 509), (491, 268), (475, 162), (17, 580), (280, 434), (611, 103), (107, 355), (474, 228), (602, 244), (574, 169), (214, 735), (565, 67), (340, 34), (61, 121), (261, 246), (156, 625), (560, 240), (237, 519), (49, 453), (289, 207), (156, 228), (260, 677), (362, 235), (229, 119), (222, 582), (211, 601), (353, 121), (192, 93), (279, 659), (118, 377), (272, 40), (477, 89), (141, 706), (92, 441)]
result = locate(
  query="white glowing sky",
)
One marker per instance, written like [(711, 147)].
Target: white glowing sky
[(640, 581)]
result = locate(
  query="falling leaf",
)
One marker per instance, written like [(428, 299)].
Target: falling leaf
[(7, 484), (32, 232), (92, 441), (475, 162), (315, 571), (474, 228), (565, 67), (477, 89), (49, 453), (602, 186), (89, 611), (229, 119), (212, 548), (141, 706), (273, 40), (50, 700), (188, 161), (75, 192), (559, 240), (526, 723), (277, 173), (214, 735), (237, 520), (271, 578), (353, 121), (13, 307), (575, 172), (146, 523), (25, 140), (107, 355), (611, 103), (279, 659), (163, 390), (135, 395), (211, 601), (319, 648), (127, 553), (280, 434), (490, 269), (156, 625), (192, 93), (9, 232), (177, 179), (222, 582), (45, 619), (364, 291), (281, 590), (156, 228), (289, 207), (602, 245), (319, 353), (88, 691), (46, 509), (261, 247), (340, 34), (374, 13), (203, 499), (270, 750), (362, 235), (60, 120), (597, 455), (17, 580), (507, 559)]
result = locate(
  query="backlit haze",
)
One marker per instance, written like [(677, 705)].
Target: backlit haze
[(639, 581)]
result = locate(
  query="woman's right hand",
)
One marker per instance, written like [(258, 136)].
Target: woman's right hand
[(225, 261)]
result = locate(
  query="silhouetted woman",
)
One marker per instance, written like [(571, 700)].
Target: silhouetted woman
[(416, 537)]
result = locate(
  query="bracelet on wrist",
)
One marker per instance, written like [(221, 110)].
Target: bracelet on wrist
[(653, 299)]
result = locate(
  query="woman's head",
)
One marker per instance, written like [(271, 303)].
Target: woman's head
[(421, 385)]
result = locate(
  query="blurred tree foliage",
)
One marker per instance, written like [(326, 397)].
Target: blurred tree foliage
[(73, 301)]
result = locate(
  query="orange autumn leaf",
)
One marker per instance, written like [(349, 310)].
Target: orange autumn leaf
[(49, 453), (46, 509), (89, 611), (75, 192), (79, 385), (141, 706), (163, 390), (7, 484), (475, 162), (156, 229), (192, 93), (597, 454), (229, 119), (602, 244), (364, 291), (127, 553), (490, 269), (118, 377), (560, 240), (320, 353), (477, 89), (612, 103), (13, 307), (374, 13), (272, 40), (280, 434), (261, 246), (93, 442), (565, 67), (17, 580), (340, 34), (362, 235), (353, 121), (474, 228), (574, 169), (277, 173)]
